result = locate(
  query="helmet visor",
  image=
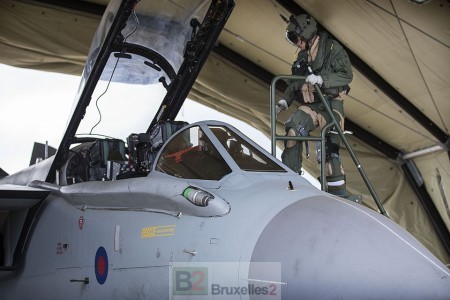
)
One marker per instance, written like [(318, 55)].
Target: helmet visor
[(292, 37)]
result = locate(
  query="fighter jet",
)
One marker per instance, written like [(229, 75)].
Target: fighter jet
[(185, 211)]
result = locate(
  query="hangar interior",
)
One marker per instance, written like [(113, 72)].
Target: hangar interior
[(397, 109)]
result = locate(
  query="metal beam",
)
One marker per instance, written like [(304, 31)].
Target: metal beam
[(372, 140), (83, 6), (419, 188)]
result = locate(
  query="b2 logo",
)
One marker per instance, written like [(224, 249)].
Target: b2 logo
[(190, 281)]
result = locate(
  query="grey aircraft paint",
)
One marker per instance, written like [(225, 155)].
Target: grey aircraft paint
[(207, 214)]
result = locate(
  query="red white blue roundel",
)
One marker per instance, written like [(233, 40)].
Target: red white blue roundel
[(101, 265)]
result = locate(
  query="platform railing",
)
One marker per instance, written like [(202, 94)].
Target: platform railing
[(321, 139)]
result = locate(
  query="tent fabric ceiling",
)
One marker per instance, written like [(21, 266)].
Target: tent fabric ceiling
[(43, 38), (405, 44)]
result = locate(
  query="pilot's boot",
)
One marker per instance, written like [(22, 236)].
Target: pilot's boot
[(341, 191), (336, 180)]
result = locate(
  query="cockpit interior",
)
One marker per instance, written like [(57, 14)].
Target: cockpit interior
[(205, 150)]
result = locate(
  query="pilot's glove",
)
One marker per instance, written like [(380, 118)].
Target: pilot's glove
[(282, 105), (313, 79)]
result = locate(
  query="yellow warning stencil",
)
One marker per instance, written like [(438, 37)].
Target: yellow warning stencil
[(154, 231)]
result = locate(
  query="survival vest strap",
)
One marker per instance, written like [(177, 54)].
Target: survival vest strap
[(333, 92)]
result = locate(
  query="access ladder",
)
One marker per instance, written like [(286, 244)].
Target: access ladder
[(275, 137)]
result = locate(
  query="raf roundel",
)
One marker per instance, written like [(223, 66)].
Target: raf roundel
[(101, 265)]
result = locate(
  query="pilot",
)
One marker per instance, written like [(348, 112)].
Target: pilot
[(332, 72)]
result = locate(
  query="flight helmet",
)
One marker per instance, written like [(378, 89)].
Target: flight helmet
[(301, 27)]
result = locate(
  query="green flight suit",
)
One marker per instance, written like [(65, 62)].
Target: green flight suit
[(333, 65)]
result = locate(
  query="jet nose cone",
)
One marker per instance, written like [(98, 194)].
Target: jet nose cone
[(331, 248)]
